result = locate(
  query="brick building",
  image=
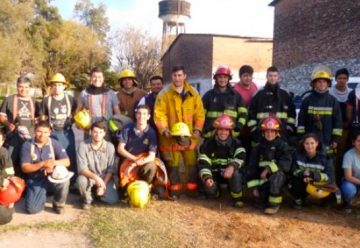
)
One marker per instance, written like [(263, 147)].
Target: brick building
[(309, 33), (202, 53)]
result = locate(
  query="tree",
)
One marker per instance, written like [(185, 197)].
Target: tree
[(93, 17), (139, 51)]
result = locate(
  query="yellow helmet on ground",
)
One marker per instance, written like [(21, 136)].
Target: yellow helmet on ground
[(317, 192), (82, 119), (58, 78), (180, 129), (139, 193)]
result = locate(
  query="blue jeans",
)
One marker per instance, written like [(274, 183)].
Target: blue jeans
[(67, 140), (35, 197), (349, 190)]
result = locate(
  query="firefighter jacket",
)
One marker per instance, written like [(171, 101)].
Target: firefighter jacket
[(172, 107), (216, 156), (276, 155), (320, 114), (127, 101), (217, 103), (272, 100), (320, 167)]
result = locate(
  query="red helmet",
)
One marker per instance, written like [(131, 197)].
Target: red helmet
[(224, 122), (13, 191), (270, 123), (223, 70)]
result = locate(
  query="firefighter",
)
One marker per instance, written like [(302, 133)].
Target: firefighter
[(272, 101), (268, 166), (129, 94), (221, 160), (179, 102), (222, 99), (310, 166), (320, 112)]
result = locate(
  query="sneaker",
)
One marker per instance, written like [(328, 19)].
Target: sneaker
[(86, 206), (58, 210), (346, 208), (238, 204), (298, 204), (271, 210)]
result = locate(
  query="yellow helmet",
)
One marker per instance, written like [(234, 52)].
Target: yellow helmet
[(58, 78), (321, 72), (180, 129), (317, 192), (83, 119), (127, 73), (139, 193)]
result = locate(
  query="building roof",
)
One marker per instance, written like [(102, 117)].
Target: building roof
[(249, 38), (273, 3)]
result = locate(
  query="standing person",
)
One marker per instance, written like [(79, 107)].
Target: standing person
[(350, 184), (129, 93), (269, 164), (320, 112), (222, 99), (97, 167), (57, 108), (353, 112), (39, 157), (310, 166), (272, 101), (156, 85), (17, 114), (341, 92), (221, 160), (179, 102), (101, 101), (246, 87)]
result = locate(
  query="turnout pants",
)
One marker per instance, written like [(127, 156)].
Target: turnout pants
[(272, 188)]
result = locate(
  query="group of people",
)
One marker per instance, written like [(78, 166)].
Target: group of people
[(234, 135)]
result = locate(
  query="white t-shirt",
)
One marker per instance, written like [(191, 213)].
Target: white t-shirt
[(352, 161)]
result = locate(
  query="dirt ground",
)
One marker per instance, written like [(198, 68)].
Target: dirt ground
[(194, 223)]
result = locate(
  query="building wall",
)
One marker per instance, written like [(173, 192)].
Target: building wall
[(308, 33)]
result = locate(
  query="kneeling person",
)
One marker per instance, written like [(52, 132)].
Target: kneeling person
[(97, 167), (221, 160), (269, 165), (139, 138), (39, 156)]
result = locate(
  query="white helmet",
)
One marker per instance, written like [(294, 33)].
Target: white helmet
[(60, 174)]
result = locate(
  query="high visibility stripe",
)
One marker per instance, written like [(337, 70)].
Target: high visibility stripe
[(330, 151), (205, 172), (220, 161), (238, 162), (253, 143), (238, 151), (275, 199), (176, 187), (231, 113), (251, 123), (242, 121), (205, 158), (242, 110), (209, 134), (256, 182), (301, 129), (9, 171), (337, 131), (191, 186), (273, 167), (310, 165), (213, 114), (235, 134), (320, 110), (264, 163), (236, 195), (280, 115), (291, 120), (315, 108)]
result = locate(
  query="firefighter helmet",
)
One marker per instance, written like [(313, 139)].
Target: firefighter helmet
[(82, 119), (58, 78), (321, 72), (180, 129), (60, 174), (224, 122), (223, 70), (139, 193), (13, 191), (127, 73), (317, 192), (270, 123)]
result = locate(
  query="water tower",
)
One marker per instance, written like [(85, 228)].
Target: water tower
[(174, 14)]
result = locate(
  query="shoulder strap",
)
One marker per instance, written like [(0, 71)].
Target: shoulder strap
[(68, 105), (15, 107), (103, 103)]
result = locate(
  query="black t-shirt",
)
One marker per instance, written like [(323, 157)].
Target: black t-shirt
[(58, 111), (352, 102)]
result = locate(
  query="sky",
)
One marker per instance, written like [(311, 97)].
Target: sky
[(228, 17)]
